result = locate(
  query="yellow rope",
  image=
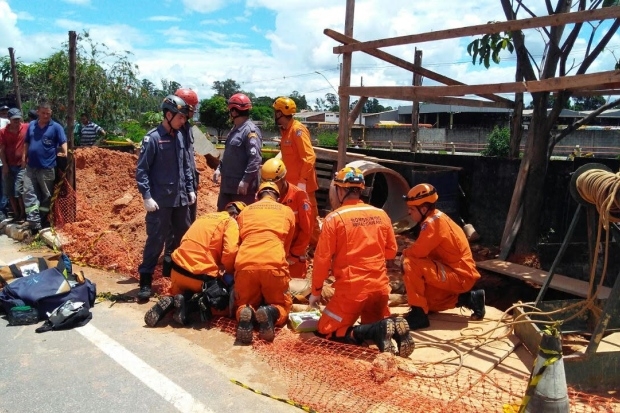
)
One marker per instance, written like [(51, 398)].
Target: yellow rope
[(287, 401)]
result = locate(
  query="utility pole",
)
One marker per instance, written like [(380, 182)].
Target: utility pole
[(345, 80), (18, 96), (415, 108), (70, 171)]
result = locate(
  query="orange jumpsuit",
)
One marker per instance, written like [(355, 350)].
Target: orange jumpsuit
[(299, 158), (210, 242), (355, 241), (266, 230), (298, 201), (439, 265)]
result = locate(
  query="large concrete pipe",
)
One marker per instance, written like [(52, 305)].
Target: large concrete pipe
[(384, 189)]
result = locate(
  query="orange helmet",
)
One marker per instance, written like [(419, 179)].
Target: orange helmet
[(240, 102), (235, 207), (268, 186), (349, 177), (421, 194), (273, 170), (189, 96), (285, 105)]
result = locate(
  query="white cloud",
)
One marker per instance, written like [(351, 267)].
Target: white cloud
[(78, 2), (204, 6), (24, 15), (163, 19)]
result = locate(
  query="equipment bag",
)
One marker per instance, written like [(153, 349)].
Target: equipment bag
[(45, 291), (68, 315)]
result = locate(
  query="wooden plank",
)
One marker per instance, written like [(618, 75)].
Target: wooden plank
[(423, 92), (397, 61), (538, 277), (489, 28)]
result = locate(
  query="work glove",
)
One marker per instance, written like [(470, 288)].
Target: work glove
[(150, 205), (313, 301), (192, 198), (216, 176), (243, 188), (302, 186)]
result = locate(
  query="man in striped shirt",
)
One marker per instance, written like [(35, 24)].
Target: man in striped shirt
[(89, 131)]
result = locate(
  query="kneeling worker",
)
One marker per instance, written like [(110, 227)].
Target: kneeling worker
[(355, 241), (439, 269), (266, 230), (208, 246), (274, 170)]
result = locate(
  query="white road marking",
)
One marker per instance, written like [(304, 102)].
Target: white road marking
[(171, 392)]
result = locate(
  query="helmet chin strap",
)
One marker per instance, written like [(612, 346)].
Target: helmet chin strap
[(173, 130), (230, 112)]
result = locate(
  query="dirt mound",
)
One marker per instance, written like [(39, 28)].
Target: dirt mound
[(109, 230)]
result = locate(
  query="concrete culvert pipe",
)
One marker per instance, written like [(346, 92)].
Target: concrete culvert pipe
[(384, 189)]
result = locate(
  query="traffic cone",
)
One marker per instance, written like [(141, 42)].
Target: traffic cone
[(547, 391)]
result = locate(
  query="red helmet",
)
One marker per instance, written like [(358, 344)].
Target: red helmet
[(189, 96), (240, 102)]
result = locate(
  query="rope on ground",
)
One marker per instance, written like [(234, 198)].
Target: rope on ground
[(280, 399)]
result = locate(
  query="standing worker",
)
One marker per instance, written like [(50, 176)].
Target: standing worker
[(239, 168), (165, 181), (297, 154), (12, 139), (266, 230), (208, 247), (274, 170), (354, 244), (89, 131), (439, 269)]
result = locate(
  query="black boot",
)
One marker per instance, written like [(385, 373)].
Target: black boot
[(166, 266), (145, 287), (417, 318), (473, 300), (379, 333), (403, 339), (158, 311), (245, 327), (180, 315), (267, 315)]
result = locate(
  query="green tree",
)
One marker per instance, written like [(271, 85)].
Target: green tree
[(498, 143), (214, 113), (373, 106), (588, 102), (264, 114), (300, 100), (263, 101), (333, 101), (557, 60), (227, 88)]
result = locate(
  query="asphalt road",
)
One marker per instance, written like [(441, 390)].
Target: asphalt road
[(116, 364)]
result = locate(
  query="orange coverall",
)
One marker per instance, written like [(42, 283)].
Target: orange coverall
[(355, 241), (266, 230), (298, 201), (299, 158), (212, 240), (439, 265)]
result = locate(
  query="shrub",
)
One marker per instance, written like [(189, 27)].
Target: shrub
[(328, 138), (498, 143), (133, 130)]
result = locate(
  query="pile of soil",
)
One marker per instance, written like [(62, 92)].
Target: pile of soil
[(109, 230)]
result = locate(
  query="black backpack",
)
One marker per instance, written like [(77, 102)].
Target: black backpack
[(68, 315)]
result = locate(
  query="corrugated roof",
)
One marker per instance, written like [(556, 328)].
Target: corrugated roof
[(439, 108)]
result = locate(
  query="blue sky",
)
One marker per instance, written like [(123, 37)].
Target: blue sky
[(270, 47)]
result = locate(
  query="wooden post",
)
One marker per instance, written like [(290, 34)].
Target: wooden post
[(70, 171), (345, 80), (415, 108), (18, 96)]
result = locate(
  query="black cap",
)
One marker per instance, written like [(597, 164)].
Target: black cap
[(4, 107), (15, 113)]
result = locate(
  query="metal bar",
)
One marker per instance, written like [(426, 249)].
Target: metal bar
[(559, 256)]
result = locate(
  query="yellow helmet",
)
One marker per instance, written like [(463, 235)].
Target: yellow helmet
[(235, 207), (268, 186), (349, 177), (273, 170), (285, 105), (421, 194)]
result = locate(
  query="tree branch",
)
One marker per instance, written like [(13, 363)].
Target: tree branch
[(599, 47), (583, 121)]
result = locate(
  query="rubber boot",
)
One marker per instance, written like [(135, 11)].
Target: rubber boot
[(166, 266), (245, 327), (417, 318), (145, 287), (475, 301), (379, 333), (267, 315), (158, 311), (180, 314), (404, 341)]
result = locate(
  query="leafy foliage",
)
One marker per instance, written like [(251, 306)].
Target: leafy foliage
[(588, 102), (327, 138), (227, 88), (487, 48), (214, 113), (133, 130), (498, 143)]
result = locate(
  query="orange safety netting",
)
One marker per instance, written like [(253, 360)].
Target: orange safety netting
[(101, 224)]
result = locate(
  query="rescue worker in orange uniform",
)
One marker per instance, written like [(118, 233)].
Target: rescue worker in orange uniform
[(354, 244), (297, 154), (274, 170), (439, 269), (266, 230), (208, 248)]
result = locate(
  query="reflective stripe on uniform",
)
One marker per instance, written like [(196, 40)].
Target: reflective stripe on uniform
[(332, 315)]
